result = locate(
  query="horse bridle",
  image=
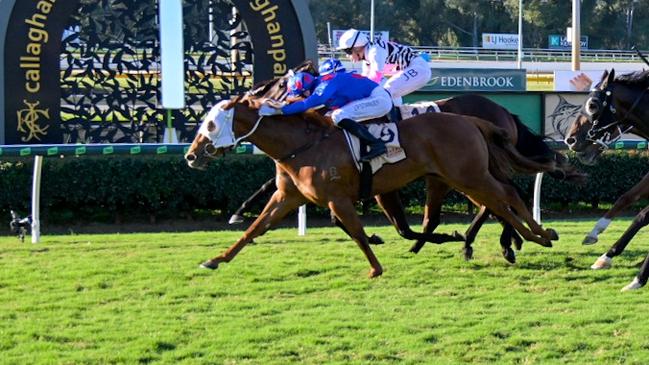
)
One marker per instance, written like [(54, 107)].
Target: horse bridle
[(601, 135)]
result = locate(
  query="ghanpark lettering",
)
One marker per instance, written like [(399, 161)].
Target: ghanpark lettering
[(277, 50)]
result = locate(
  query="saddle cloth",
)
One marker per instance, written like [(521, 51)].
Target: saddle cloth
[(388, 133), (410, 110)]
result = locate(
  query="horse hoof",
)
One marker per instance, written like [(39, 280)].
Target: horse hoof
[(509, 255), (553, 234), (634, 285), (235, 219), (468, 253), (602, 262), (416, 247), (209, 265), (375, 240), (375, 273), (545, 243), (589, 240), (459, 236)]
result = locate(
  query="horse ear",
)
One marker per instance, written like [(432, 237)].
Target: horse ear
[(611, 76)]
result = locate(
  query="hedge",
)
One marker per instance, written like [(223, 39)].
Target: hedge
[(112, 189)]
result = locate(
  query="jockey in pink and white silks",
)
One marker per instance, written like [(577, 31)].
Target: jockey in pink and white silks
[(413, 72)]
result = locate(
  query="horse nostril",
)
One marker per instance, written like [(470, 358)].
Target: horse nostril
[(190, 157), (570, 141)]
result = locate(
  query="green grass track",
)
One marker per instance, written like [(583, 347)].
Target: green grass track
[(141, 298)]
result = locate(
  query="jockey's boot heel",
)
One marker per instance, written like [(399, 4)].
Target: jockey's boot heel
[(377, 147), (395, 114)]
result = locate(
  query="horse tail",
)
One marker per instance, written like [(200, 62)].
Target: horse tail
[(504, 158), (535, 148)]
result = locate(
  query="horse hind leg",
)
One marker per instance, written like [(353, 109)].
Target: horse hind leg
[(472, 231), (499, 197), (346, 212)]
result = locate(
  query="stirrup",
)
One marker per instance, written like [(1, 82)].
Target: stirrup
[(375, 151)]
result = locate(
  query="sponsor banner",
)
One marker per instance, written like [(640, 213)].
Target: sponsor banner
[(561, 109), (471, 79), (280, 30), (378, 35), (558, 41), (277, 38), (576, 80), (499, 41), (32, 49)]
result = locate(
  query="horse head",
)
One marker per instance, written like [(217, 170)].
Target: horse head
[(614, 107), (592, 130)]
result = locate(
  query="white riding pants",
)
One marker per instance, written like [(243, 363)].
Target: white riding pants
[(412, 78), (376, 105)]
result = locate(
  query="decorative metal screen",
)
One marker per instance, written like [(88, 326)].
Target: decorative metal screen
[(110, 69)]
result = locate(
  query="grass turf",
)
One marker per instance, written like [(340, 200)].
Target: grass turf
[(141, 298)]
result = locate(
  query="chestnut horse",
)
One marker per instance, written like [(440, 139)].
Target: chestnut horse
[(616, 105), (529, 144), (479, 166)]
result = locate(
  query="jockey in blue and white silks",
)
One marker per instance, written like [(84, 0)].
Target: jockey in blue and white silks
[(352, 98), (413, 72)]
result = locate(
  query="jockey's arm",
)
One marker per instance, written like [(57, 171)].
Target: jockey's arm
[(316, 99), (376, 58)]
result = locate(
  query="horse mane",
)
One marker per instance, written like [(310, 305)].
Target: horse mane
[(638, 78)]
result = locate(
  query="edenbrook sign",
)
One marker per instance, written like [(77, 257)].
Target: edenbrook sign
[(469, 79), (281, 32)]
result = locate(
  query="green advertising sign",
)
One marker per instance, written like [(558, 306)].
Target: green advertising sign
[(474, 79)]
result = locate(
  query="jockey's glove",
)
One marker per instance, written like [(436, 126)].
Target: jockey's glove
[(266, 110)]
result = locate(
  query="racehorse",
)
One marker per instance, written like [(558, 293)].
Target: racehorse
[(615, 106), (529, 144), (480, 166)]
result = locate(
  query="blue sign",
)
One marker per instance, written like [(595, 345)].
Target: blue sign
[(557, 41)]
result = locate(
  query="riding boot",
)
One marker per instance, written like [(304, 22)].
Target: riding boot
[(377, 147), (395, 114)]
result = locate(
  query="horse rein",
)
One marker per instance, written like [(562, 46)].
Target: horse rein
[(605, 139)]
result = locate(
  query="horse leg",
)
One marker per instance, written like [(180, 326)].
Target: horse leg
[(277, 207), (237, 217), (506, 238), (638, 191), (641, 279), (436, 191), (640, 220), (372, 240), (346, 213), (472, 231), (499, 197), (391, 205)]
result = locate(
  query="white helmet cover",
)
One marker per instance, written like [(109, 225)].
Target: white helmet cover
[(352, 38)]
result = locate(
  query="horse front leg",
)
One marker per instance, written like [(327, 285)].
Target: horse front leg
[(436, 191), (346, 212), (277, 207), (640, 220), (641, 279), (237, 217), (639, 190)]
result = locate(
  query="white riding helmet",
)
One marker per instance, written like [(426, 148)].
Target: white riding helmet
[(352, 38)]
